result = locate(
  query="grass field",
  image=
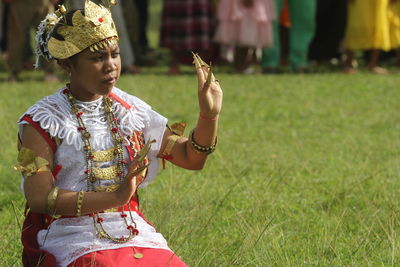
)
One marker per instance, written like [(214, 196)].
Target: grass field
[(306, 172)]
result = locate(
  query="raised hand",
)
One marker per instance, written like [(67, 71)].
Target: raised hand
[(209, 90)]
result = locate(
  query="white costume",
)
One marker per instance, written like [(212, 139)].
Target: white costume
[(53, 114)]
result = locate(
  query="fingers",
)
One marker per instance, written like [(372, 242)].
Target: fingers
[(207, 83), (200, 75), (200, 67), (204, 73), (137, 171)]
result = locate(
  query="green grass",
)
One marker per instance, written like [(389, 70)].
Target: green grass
[(306, 172)]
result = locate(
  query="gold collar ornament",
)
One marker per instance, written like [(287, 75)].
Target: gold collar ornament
[(29, 164), (59, 37)]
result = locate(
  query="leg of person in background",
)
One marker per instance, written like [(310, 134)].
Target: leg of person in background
[(330, 26), (19, 22), (131, 19), (398, 57), (174, 68), (142, 7), (23, 15), (127, 56), (28, 53), (271, 56), (43, 7), (302, 16), (241, 59), (1, 24), (3, 30), (349, 67), (147, 55), (373, 63)]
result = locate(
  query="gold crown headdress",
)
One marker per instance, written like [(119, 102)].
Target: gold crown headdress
[(58, 38)]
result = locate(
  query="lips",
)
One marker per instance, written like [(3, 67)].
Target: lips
[(110, 80)]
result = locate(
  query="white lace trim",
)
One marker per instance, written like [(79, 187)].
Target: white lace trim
[(54, 115)]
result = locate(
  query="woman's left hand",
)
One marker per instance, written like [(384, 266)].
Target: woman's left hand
[(209, 92)]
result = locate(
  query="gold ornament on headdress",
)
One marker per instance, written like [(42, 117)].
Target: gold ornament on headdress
[(94, 30)]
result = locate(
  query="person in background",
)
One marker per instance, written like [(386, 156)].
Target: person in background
[(247, 25), (371, 25), (22, 16), (186, 26), (301, 32), (2, 13), (330, 27), (142, 7)]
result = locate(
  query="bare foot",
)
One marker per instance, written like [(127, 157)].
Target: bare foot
[(349, 70), (379, 70), (174, 70), (13, 77)]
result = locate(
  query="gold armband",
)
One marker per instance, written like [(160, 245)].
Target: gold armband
[(79, 203), (51, 200), (177, 129), (29, 164)]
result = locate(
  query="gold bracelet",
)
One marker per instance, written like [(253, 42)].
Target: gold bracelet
[(51, 200), (201, 149), (79, 203)]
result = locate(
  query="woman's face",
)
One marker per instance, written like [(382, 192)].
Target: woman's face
[(94, 73)]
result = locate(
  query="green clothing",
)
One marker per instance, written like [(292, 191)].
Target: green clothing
[(302, 18)]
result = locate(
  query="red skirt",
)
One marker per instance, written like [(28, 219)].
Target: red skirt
[(122, 257)]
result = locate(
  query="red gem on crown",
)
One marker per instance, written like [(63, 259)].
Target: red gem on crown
[(101, 19)]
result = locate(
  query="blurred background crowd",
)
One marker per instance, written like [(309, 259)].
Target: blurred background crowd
[(267, 36)]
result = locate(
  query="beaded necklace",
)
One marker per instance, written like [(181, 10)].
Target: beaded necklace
[(112, 122)]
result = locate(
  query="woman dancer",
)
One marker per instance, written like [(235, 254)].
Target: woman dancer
[(85, 149)]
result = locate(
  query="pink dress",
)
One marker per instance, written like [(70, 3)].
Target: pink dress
[(242, 26)]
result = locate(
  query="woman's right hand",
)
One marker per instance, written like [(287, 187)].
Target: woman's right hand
[(132, 180)]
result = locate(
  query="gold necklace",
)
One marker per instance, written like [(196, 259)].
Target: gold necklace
[(112, 122)]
